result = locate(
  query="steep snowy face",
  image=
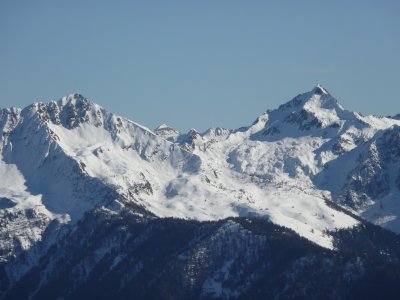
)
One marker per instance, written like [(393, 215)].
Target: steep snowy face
[(40, 183), (296, 140), (376, 180), (315, 112), (61, 159), (363, 173), (391, 142), (309, 132), (9, 119), (16, 231)]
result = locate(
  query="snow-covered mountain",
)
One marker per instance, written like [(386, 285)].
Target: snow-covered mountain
[(298, 166), (311, 146)]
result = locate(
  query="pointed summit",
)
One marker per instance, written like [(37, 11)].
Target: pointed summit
[(320, 90), (313, 110), (318, 96)]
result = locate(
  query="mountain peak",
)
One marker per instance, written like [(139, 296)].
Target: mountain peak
[(166, 132), (74, 99), (316, 109), (317, 98), (319, 90), (162, 126)]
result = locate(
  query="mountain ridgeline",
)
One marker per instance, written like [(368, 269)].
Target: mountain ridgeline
[(301, 204)]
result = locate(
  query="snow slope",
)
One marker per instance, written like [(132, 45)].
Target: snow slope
[(62, 159), (312, 147)]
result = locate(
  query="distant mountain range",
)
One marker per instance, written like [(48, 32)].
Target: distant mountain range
[(95, 206)]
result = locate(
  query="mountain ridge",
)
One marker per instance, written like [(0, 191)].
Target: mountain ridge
[(63, 159)]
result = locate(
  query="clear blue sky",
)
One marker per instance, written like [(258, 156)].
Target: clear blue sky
[(200, 63)]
